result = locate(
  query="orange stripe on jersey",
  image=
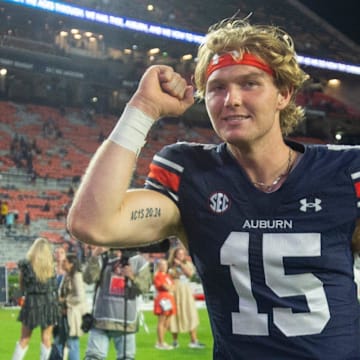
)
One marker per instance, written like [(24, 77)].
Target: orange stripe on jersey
[(164, 177), (357, 189)]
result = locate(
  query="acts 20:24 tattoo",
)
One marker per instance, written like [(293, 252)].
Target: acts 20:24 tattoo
[(145, 213)]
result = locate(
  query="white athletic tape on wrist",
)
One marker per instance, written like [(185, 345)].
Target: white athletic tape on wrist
[(131, 129)]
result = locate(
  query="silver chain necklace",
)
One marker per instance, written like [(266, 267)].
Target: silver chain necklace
[(272, 187)]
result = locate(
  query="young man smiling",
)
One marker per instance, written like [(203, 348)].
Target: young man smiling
[(260, 215)]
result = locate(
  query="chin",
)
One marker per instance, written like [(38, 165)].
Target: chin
[(235, 137)]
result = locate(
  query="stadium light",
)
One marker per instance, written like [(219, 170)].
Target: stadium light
[(157, 30)]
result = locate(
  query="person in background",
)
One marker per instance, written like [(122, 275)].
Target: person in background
[(186, 318), (40, 308), (60, 255), (10, 221), (73, 303), (120, 278), (164, 303), (4, 210), (27, 222), (60, 331), (271, 224)]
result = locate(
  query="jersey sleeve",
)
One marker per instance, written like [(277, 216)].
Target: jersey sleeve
[(165, 173), (347, 163), (355, 177)]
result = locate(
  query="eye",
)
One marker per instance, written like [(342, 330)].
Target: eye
[(248, 84), (216, 87)]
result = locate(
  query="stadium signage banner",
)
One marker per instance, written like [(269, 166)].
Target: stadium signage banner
[(69, 73), (17, 64), (41, 68)]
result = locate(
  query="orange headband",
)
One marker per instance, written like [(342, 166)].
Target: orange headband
[(232, 58)]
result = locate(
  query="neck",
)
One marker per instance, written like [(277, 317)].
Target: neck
[(267, 169), (277, 182)]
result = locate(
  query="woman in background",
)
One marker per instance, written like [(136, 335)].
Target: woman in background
[(60, 331), (60, 254), (164, 303), (38, 283), (74, 304), (187, 318)]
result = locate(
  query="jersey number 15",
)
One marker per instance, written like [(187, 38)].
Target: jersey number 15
[(248, 321)]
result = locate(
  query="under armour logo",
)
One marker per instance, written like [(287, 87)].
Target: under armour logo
[(305, 205)]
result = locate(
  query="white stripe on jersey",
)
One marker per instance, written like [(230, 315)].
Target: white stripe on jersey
[(342, 147), (169, 163), (355, 175)]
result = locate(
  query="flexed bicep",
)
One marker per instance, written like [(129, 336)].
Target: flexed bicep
[(147, 216)]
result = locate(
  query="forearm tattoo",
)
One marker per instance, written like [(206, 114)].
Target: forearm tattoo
[(145, 213)]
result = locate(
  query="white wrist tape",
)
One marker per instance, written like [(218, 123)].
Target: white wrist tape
[(131, 129)]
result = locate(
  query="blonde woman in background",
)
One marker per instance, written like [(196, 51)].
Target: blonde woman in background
[(186, 318), (38, 283)]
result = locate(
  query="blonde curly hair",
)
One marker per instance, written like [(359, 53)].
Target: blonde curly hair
[(41, 258), (271, 44)]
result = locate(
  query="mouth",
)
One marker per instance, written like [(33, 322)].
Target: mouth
[(236, 118)]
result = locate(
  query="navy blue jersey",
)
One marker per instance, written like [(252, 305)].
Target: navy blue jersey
[(277, 269)]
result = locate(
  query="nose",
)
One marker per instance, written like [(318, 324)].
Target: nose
[(233, 97)]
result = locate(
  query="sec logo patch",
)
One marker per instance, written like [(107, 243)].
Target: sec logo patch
[(219, 202)]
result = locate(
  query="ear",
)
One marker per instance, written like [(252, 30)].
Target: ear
[(284, 98)]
